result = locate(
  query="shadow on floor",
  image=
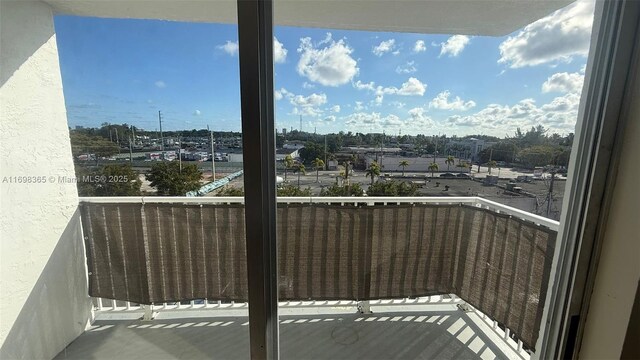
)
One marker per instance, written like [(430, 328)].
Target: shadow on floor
[(442, 335)]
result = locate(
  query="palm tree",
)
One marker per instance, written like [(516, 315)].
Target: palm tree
[(288, 164), (348, 163), (450, 161), (299, 168), (318, 164), (433, 168), (373, 170), (403, 163), (491, 164)]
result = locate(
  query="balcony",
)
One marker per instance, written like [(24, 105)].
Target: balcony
[(445, 277)]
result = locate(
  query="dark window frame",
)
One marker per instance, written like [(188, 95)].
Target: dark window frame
[(592, 173)]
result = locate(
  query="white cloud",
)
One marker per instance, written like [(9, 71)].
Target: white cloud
[(364, 86), (303, 105), (358, 106), (384, 47), (559, 116), (419, 46), (397, 104), (407, 68), (279, 52), (412, 87), (160, 84), (418, 119), (335, 108), (328, 62), (306, 85), (454, 45), (557, 37), (311, 100), (563, 82), (391, 121), (231, 47), (197, 113), (364, 120), (330, 118), (441, 101)]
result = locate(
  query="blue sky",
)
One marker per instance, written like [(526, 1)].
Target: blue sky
[(126, 70)]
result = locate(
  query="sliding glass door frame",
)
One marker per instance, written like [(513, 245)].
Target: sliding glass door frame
[(255, 35), (598, 137)]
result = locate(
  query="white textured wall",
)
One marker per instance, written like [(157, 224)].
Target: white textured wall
[(43, 295), (619, 268)]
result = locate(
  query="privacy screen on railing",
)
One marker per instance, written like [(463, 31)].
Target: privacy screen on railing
[(154, 253)]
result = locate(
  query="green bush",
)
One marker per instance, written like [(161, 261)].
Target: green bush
[(230, 191), (291, 190), (169, 180), (392, 188), (110, 180), (336, 190)]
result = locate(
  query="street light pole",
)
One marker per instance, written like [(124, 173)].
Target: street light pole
[(213, 156)]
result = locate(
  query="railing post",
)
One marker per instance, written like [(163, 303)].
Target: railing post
[(148, 312), (463, 306), (364, 307)]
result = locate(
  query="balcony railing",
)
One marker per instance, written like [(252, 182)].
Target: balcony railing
[(189, 253)]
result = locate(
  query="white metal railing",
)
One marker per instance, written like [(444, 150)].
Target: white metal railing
[(368, 200), (112, 306), (108, 305)]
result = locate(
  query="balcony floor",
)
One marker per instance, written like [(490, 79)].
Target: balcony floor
[(441, 334)]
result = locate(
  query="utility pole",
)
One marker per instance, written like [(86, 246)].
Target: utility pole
[(213, 157), (550, 198), (117, 139), (301, 123), (382, 151), (130, 151), (161, 138), (180, 152), (435, 150), (325, 152), (133, 130)]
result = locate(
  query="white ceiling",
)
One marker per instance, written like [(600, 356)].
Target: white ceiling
[(468, 17)]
